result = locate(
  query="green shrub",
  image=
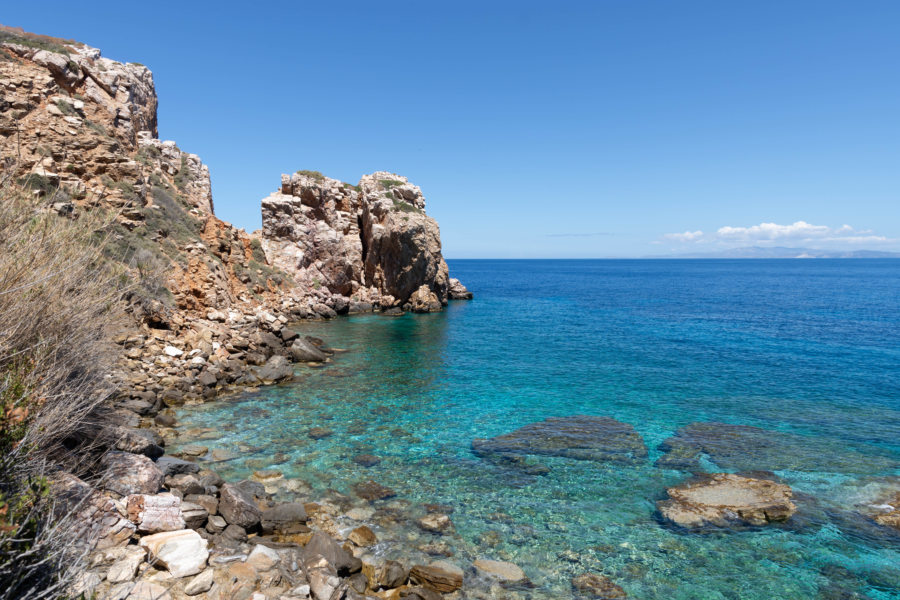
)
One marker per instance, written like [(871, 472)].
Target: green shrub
[(406, 207), (390, 183), (314, 174)]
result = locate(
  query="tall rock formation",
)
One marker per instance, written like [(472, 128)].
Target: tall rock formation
[(370, 244), (81, 130)]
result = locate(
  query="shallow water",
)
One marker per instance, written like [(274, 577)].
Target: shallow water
[(806, 348)]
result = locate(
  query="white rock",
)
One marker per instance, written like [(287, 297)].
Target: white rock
[(199, 584), (126, 568), (173, 351), (182, 552), (198, 360)]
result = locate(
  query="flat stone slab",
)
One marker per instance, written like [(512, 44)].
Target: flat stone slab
[(747, 448), (726, 500), (580, 437)]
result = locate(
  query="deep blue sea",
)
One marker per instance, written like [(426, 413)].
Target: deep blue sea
[(806, 350)]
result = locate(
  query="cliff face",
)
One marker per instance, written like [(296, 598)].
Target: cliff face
[(81, 130), (366, 244)]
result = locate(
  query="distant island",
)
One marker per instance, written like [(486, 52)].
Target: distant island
[(783, 252)]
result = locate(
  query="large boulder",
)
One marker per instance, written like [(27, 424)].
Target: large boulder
[(580, 437), (125, 474), (152, 514), (323, 546), (725, 500), (283, 518), (238, 506), (277, 368), (302, 350), (182, 552), (99, 522)]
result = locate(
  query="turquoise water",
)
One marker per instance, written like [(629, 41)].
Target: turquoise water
[(809, 351)]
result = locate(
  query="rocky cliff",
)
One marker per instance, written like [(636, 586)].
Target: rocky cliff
[(362, 245), (81, 130)]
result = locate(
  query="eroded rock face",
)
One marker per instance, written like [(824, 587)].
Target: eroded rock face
[(725, 500), (579, 437), (371, 243)]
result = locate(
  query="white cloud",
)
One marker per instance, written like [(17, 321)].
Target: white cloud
[(687, 236), (766, 233)]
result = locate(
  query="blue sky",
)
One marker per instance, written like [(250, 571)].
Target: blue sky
[(538, 129)]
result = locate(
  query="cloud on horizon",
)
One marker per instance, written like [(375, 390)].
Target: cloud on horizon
[(773, 233)]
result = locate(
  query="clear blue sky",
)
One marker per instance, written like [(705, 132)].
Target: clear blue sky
[(538, 129)]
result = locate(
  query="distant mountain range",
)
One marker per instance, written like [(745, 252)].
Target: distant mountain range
[(784, 252)]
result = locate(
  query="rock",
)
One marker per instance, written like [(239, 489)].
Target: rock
[(363, 244), (723, 500), (164, 420), (458, 291), (321, 545), (216, 524), (303, 351), (441, 576), (579, 437), (172, 351), (138, 441), (235, 533), (363, 537), (392, 574), (142, 590), (277, 368), (187, 483), (744, 448), (318, 433), (423, 300), (96, 517), (200, 584), (210, 503), (193, 450), (194, 515), (238, 507), (420, 593), (263, 558), (435, 523), (371, 490), (366, 460), (126, 474), (170, 465), (593, 585), (505, 572), (125, 569), (284, 518), (182, 552), (152, 514)]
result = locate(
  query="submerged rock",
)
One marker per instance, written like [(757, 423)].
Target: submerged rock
[(441, 576), (505, 572), (372, 490), (579, 437), (724, 500), (747, 448), (595, 586)]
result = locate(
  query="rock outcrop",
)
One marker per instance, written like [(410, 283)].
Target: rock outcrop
[(579, 437), (370, 243), (725, 500)]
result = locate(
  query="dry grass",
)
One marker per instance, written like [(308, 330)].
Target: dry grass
[(59, 302)]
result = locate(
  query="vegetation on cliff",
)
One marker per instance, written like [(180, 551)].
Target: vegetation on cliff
[(58, 304)]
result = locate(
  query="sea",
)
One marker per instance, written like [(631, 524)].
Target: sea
[(804, 352)]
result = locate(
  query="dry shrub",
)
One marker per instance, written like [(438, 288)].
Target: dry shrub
[(59, 302)]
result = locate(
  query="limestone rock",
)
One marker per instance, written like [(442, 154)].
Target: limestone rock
[(194, 515), (200, 584), (304, 351), (391, 574), (458, 291), (505, 572), (372, 490), (182, 552), (441, 576), (127, 474), (435, 523), (126, 567), (99, 520), (277, 368), (578, 437), (142, 590), (363, 537), (152, 514), (724, 499)]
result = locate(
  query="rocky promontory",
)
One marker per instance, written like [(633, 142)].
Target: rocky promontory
[(369, 244)]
